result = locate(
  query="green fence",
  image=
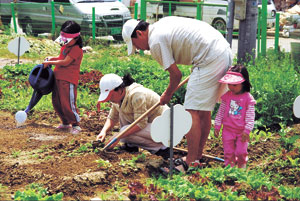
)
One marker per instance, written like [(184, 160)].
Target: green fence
[(41, 17), (153, 10)]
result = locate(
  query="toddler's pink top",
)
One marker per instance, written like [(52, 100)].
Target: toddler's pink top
[(236, 112)]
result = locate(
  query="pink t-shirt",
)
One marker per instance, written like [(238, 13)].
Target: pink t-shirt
[(236, 112)]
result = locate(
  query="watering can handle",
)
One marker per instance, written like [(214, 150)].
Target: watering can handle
[(38, 75)]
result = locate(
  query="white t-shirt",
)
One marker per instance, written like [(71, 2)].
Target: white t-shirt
[(185, 41)]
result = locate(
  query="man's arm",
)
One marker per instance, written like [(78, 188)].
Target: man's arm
[(175, 78)]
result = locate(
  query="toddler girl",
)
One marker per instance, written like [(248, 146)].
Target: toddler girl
[(236, 113)]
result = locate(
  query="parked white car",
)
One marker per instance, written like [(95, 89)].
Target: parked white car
[(214, 15), (35, 16)]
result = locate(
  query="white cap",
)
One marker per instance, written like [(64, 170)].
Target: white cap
[(108, 83), (127, 31)]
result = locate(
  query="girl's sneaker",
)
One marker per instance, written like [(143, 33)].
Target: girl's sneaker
[(63, 127), (75, 130)]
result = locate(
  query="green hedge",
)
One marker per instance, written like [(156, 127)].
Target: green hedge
[(274, 78), (276, 84)]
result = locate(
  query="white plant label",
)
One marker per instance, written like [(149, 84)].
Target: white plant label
[(18, 46), (160, 128), (296, 107)]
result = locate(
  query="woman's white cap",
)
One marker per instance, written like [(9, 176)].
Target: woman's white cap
[(108, 83), (127, 31)]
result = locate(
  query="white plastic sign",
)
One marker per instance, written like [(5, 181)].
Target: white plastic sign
[(296, 107), (18, 46), (160, 128)]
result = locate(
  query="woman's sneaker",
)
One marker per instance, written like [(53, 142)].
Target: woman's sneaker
[(75, 130), (63, 127)]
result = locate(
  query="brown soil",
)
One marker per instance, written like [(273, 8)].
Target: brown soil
[(37, 153)]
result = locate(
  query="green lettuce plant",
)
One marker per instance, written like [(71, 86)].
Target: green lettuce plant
[(35, 192)]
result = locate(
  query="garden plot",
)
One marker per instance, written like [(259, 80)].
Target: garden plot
[(76, 166), (36, 153)]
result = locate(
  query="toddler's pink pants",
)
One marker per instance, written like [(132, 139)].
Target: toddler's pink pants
[(235, 151)]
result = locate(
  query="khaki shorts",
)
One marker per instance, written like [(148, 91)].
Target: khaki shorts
[(203, 88)]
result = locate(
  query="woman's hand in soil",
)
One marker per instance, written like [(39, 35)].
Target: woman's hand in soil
[(101, 136), (245, 137)]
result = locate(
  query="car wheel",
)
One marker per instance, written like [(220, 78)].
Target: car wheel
[(5, 20), (219, 24), (118, 37)]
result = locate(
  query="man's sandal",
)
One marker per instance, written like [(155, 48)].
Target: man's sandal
[(197, 164), (180, 166), (180, 162)]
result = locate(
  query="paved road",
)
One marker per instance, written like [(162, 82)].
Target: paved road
[(284, 43)]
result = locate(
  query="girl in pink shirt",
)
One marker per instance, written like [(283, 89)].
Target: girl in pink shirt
[(236, 113)]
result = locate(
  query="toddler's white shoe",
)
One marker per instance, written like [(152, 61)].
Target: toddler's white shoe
[(75, 130)]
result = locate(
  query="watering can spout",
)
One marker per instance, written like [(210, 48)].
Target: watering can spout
[(36, 97)]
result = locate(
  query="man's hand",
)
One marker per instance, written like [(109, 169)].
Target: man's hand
[(175, 77), (98, 106), (217, 133), (165, 98)]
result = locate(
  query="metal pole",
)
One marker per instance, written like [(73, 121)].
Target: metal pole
[(143, 17), (93, 23), (12, 5), (199, 11), (143, 10), (264, 27), (171, 139), (19, 43), (277, 32), (230, 21), (247, 33), (136, 10), (258, 32), (53, 19)]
